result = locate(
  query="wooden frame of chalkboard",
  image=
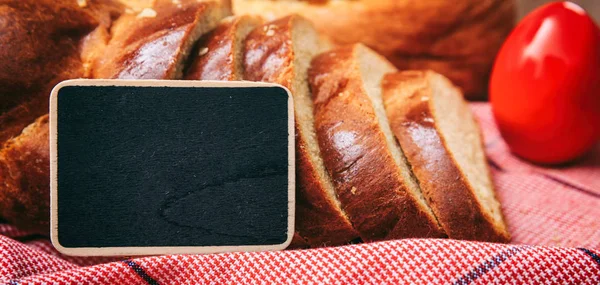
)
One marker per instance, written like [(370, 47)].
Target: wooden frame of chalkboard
[(154, 250)]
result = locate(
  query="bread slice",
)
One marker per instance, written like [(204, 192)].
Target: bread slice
[(373, 180), (442, 142), (219, 54), (155, 43), (280, 52)]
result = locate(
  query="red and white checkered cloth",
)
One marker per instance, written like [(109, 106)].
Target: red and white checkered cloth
[(553, 214)]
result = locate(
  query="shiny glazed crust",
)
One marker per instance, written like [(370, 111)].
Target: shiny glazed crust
[(155, 45), (43, 43), (269, 57), (219, 54), (368, 180), (40, 42), (450, 193), (456, 38)]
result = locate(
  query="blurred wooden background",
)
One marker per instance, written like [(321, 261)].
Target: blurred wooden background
[(591, 6)]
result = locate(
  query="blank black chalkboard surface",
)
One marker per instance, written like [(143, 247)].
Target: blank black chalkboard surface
[(171, 167)]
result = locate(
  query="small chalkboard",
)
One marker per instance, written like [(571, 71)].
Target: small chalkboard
[(150, 167)]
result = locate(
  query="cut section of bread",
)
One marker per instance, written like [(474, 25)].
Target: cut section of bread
[(280, 52), (219, 54), (373, 180), (442, 142), (24, 176), (139, 5), (154, 43)]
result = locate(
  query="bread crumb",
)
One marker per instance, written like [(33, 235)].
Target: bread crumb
[(228, 19), (424, 98), (147, 13), (203, 51), (269, 16), (82, 3), (270, 30), (86, 68), (353, 190)]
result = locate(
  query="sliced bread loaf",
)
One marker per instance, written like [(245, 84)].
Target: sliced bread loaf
[(280, 52), (143, 46), (373, 180), (442, 142), (155, 43), (219, 54)]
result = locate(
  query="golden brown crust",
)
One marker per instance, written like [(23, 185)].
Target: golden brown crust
[(152, 43), (40, 42), (269, 57), (449, 192), (42, 45), (14, 121), (24, 181), (93, 47), (368, 181), (298, 242), (217, 55), (319, 220), (456, 38)]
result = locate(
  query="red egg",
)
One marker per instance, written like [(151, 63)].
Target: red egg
[(545, 85)]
